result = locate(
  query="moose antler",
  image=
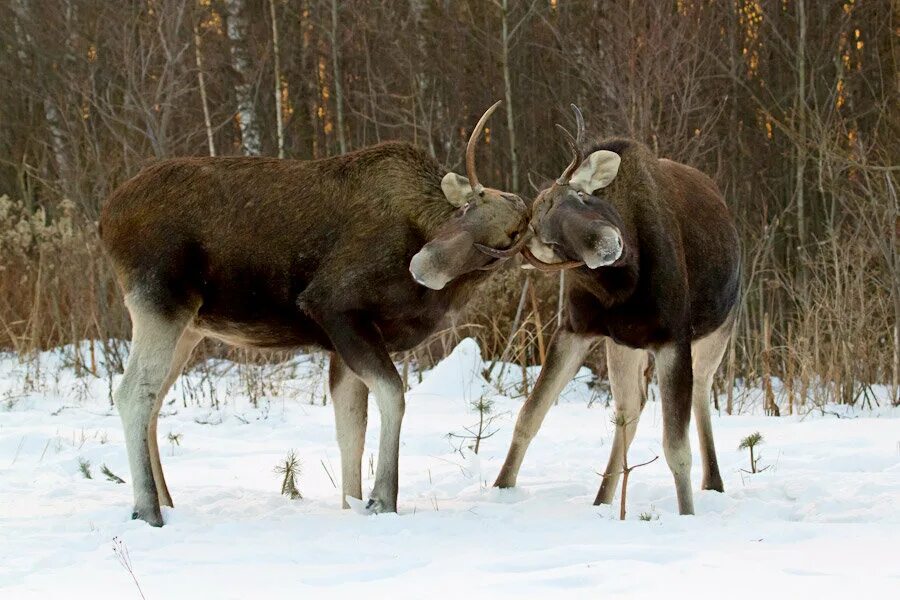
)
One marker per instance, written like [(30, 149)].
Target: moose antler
[(470, 148), (574, 145), (540, 265), (579, 122), (508, 252)]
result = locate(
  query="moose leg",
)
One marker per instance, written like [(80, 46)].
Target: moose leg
[(153, 343), (350, 396), (564, 357), (673, 364), (707, 353), (626, 378), (360, 345), (186, 344)]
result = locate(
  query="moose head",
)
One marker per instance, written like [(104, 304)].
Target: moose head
[(574, 224), (488, 227)]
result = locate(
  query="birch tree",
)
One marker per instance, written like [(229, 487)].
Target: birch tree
[(279, 117), (245, 90)]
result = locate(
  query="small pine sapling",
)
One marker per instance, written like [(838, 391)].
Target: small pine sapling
[(749, 443), (174, 440), (84, 465), (290, 470), (480, 432), (484, 407)]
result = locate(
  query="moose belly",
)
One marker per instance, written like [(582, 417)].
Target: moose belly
[(256, 312), (301, 331)]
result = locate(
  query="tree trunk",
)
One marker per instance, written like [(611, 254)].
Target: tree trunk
[(800, 115), (248, 120), (507, 88), (338, 91), (279, 122), (201, 82)]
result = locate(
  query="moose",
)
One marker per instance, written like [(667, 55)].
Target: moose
[(360, 254), (654, 263)]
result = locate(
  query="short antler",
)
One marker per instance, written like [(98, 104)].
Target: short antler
[(470, 147), (549, 267), (579, 121), (576, 157), (508, 252), (574, 144)]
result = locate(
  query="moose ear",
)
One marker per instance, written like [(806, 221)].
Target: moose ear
[(597, 171), (456, 188)]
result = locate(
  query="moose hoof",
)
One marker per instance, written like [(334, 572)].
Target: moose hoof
[(713, 483), (505, 480), (149, 516), (372, 506), (376, 506)]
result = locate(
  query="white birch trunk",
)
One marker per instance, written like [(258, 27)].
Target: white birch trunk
[(237, 26), (278, 114), (201, 81)]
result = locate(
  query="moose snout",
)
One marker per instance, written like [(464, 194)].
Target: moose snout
[(425, 272), (605, 249)]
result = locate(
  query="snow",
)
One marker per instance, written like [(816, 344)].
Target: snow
[(822, 521)]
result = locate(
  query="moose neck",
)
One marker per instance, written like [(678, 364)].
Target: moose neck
[(430, 214)]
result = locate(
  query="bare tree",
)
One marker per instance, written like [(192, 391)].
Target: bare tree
[(336, 66), (201, 83), (279, 116), (245, 89)]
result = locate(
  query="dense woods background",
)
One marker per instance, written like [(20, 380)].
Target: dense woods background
[(791, 105)]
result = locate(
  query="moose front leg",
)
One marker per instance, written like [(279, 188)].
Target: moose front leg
[(673, 364), (626, 368), (349, 396), (360, 345), (564, 357)]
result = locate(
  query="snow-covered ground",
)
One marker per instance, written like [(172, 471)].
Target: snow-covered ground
[(823, 521)]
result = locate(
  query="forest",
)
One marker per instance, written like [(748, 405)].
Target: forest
[(790, 105)]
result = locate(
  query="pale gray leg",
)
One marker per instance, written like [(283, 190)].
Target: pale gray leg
[(564, 357), (673, 367), (349, 395), (626, 378), (153, 344), (707, 355), (361, 347), (186, 344)]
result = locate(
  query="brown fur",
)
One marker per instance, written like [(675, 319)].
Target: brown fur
[(264, 245)]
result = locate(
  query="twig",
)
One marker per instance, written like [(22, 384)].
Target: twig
[(121, 552)]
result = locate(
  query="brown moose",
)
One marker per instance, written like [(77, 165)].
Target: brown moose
[(361, 254), (655, 267)]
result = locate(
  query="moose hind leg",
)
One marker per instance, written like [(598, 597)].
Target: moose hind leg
[(626, 368), (707, 354), (673, 363), (153, 343), (186, 344), (350, 396)]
